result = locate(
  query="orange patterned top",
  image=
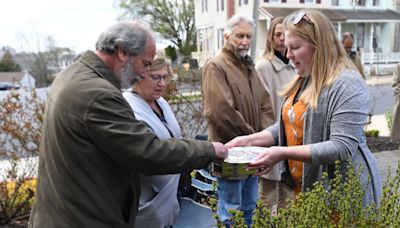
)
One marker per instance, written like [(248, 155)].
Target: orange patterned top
[(293, 122)]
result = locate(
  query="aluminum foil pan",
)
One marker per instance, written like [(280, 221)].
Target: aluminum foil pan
[(235, 164)]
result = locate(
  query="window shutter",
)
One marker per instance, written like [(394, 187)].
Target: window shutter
[(302, 1), (318, 1)]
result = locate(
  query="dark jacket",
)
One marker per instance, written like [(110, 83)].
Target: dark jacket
[(93, 150)]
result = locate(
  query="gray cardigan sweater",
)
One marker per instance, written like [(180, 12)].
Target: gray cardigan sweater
[(335, 131)]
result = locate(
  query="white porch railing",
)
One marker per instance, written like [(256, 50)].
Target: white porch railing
[(379, 63), (374, 58)]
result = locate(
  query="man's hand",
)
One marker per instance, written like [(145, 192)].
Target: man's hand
[(221, 151)]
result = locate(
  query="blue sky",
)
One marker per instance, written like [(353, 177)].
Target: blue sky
[(76, 24)]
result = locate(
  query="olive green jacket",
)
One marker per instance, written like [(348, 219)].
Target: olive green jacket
[(93, 150)]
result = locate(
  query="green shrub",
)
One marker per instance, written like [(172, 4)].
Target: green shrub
[(372, 133), (339, 205), (389, 119)]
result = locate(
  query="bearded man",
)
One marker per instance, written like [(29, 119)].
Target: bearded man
[(235, 103), (93, 150)]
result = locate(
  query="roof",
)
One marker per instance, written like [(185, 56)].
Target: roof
[(11, 76), (370, 15), (340, 15)]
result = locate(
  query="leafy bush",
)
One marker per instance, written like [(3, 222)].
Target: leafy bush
[(339, 205), (389, 119), (21, 119), (184, 96), (372, 133)]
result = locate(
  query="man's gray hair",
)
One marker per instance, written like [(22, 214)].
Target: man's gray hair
[(237, 19), (130, 36)]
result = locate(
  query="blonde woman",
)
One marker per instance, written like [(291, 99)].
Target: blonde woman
[(158, 204), (324, 112), (275, 72)]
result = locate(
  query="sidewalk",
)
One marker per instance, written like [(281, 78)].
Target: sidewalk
[(378, 122), (379, 79)]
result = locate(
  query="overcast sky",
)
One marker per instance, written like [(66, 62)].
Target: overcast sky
[(25, 24)]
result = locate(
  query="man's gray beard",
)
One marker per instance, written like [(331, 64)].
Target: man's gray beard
[(243, 53), (127, 75)]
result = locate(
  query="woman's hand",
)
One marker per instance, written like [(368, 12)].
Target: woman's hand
[(239, 141), (267, 159)]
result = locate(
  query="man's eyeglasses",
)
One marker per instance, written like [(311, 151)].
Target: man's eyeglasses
[(296, 18), (157, 77)]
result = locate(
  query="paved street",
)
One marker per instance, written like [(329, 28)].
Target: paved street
[(386, 160)]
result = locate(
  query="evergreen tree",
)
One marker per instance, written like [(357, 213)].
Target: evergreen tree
[(8, 64)]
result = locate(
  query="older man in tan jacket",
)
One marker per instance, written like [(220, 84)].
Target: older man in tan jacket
[(235, 103)]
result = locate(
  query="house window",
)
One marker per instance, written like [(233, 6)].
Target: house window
[(220, 5), (360, 35), (335, 2), (243, 2), (200, 38), (375, 2), (220, 38), (204, 6), (309, 1), (360, 2)]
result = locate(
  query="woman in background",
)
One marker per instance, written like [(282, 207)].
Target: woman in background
[(275, 72)]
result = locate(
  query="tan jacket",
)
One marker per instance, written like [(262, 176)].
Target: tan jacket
[(93, 150), (395, 132), (275, 75), (235, 101)]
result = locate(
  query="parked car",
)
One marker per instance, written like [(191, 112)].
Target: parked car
[(8, 86)]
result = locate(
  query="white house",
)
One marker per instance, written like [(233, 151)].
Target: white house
[(27, 81), (18, 79), (371, 22)]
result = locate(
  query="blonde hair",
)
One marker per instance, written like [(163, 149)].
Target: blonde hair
[(329, 58), (269, 51), (160, 61)]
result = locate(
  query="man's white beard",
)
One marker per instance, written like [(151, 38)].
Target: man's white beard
[(128, 77), (242, 51)]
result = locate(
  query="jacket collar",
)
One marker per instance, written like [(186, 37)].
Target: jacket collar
[(91, 60), (247, 62), (278, 64)]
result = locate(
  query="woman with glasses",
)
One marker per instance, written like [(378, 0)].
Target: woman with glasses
[(158, 204), (324, 113)]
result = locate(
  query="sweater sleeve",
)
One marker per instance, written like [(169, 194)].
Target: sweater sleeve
[(346, 115)]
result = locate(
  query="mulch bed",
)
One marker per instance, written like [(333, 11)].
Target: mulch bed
[(382, 143)]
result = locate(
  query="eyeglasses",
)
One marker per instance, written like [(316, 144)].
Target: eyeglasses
[(296, 18), (157, 77)]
